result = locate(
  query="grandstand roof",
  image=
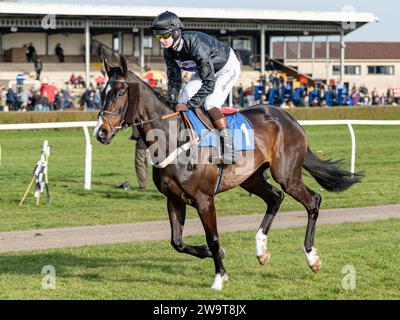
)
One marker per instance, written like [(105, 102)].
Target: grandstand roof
[(233, 15)]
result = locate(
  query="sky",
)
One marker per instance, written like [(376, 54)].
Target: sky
[(385, 30)]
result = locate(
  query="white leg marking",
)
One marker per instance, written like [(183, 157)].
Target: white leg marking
[(219, 281), (311, 256), (261, 243)]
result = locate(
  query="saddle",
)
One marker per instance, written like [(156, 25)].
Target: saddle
[(240, 127), (205, 118)]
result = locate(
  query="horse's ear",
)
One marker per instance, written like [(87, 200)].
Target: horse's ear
[(107, 66), (123, 64)]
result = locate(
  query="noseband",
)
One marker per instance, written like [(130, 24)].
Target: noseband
[(122, 115)]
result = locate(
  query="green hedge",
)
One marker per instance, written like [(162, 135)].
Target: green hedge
[(347, 113), (51, 116), (336, 113)]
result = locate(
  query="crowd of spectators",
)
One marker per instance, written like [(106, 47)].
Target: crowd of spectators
[(48, 97), (277, 89), (273, 88)]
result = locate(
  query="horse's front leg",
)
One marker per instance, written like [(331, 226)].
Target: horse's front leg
[(177, 214), (206, 208)]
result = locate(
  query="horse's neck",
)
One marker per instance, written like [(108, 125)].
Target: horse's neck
[(152, 108)]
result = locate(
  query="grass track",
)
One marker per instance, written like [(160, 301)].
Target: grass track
[(153, 270), (377, 154)]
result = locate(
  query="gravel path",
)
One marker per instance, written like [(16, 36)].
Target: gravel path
[(160, 230)]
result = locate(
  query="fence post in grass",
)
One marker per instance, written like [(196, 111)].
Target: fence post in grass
[(88, 160), (353, 148)]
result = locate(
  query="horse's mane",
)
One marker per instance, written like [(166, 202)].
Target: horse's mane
[(158, 92)]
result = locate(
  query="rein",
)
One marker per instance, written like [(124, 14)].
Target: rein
[(142, 123)]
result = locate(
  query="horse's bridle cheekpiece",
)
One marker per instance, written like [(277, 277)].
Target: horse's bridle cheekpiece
[(123, 122), (121, 93)]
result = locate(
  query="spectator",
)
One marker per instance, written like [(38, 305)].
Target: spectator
[(100, 81), (31, 93), (44, 101), (3, 99), (355, 96), (305, 102), (11, 100), (38, 68), (73, 80), (297, 96), (59, 101), (50, 91), (88, 98), (37, 102), (59, 52), (81, 81), (68, 102), (22, 99), (383, 100), (375, 97), (30, 53), (97, 99), (348, 101), (330, 97), (270, 66), (390, 96), (264, 99), (291, 105)]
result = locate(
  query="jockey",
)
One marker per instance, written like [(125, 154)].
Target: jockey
[(215, 67)]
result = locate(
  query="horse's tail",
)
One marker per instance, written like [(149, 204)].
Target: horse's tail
[(328, 173)]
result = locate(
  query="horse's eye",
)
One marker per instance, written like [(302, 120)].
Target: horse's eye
[(121, 92)]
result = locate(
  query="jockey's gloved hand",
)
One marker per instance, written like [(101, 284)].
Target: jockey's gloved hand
[(181, 107)]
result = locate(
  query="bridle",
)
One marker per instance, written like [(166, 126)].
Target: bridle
[(122, 115)]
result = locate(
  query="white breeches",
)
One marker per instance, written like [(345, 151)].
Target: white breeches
[(224, 82)]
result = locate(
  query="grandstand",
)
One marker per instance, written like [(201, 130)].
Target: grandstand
[(124, 28)]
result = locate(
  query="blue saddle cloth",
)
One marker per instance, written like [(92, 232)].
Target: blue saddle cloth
[(241, 130)]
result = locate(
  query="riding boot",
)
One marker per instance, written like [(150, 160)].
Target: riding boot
[(228, 152)]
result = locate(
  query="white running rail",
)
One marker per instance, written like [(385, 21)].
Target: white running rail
[(54, 125), (87, 124)]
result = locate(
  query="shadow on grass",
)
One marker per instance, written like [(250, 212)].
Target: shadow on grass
[(116, 193), (148, 269)]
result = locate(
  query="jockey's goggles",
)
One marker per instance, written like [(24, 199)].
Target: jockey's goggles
[(163, 35)]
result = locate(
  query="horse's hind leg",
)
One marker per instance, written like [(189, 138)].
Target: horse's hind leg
[(293, 184), (177, 214), (257, 184)]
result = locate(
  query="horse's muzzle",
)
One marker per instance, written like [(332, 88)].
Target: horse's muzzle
[(104, 136)]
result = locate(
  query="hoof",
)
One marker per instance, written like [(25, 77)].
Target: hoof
[(219, 282), (316, 266), (264, 258), (313, 260)]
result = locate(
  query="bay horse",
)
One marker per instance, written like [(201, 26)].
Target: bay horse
[(280, 145)]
